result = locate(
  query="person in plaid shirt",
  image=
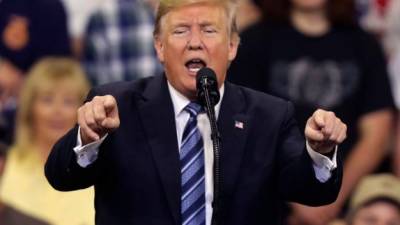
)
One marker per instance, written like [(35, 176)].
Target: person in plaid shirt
[(118, 43)]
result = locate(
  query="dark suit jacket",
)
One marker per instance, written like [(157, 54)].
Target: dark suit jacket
[(137, 176)]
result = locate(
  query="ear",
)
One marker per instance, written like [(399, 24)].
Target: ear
[(233, 46), (159, 46)]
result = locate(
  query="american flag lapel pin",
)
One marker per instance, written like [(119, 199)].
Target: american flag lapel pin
[(239, 124)]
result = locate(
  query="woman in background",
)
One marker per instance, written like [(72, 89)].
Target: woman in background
[(52, 93)]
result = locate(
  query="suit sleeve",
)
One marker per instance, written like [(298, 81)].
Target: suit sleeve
[(297, 179), (62, 170)]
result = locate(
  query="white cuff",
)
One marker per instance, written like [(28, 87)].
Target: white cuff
[(323, 165), (86, 155)]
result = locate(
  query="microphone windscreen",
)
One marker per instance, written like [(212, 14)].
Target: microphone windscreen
[(206, 72), (206, 79)]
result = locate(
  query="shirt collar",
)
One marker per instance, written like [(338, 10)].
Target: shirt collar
[(179, 101)]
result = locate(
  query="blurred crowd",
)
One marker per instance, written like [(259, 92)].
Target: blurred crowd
[(339, 55)]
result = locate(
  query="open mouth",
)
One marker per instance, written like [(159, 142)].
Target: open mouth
[(194, 65)]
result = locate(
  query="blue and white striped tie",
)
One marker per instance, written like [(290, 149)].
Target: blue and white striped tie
[(192, 170)]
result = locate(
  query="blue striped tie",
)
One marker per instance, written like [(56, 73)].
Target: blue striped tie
[(192, 169)]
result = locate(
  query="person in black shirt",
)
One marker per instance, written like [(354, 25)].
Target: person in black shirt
[(314, 54), (32, 29)]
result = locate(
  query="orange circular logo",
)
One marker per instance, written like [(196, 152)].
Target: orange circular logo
[(16, 33)]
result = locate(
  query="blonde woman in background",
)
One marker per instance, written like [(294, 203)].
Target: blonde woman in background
[(49, 100)]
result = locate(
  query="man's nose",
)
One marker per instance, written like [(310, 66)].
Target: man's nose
[(195, 41)]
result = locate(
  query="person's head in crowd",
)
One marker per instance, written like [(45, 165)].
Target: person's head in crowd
[(187, 38), (51, 95), (248, 14), (340, 12), (376, 201)]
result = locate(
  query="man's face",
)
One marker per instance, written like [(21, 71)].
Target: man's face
[(192, 37), (379, 213)]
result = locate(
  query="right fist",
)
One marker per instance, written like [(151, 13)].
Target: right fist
[(97, 118)]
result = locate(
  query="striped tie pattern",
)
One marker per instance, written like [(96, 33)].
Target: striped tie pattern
[(192, 170)]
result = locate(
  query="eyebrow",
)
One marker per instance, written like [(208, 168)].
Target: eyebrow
[(180, 24), (186, 24), (207, 23)]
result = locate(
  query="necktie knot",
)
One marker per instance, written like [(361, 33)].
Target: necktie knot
[(193, 108)]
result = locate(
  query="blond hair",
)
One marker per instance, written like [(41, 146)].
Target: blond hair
[(44, 75), (166, 6)]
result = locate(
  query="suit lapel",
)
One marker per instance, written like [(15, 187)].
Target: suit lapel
[(158, 119), (233, 126)]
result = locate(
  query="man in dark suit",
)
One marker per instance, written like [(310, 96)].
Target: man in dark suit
[(155, 166)]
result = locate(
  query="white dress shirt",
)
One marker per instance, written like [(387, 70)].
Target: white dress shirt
[(88, 154)]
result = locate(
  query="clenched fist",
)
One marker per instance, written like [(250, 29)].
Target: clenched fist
[(324, 131), (97, 118)]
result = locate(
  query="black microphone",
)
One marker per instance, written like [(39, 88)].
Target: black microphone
[(206, 81), (208, 96)]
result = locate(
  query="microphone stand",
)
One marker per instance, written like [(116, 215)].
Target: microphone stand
[(216, 139)]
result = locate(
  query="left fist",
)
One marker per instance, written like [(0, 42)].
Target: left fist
[(324, 131)]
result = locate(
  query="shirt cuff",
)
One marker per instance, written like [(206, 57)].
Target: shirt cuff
[(87, 154), (323, 165)]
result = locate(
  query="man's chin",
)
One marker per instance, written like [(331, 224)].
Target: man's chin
[(190, 93)]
